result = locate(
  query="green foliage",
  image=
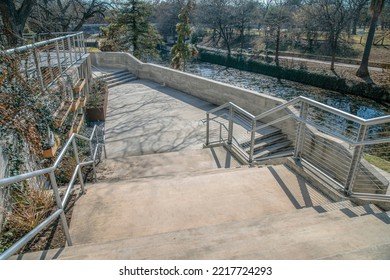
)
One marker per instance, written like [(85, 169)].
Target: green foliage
[(183, 51), (130, 30)]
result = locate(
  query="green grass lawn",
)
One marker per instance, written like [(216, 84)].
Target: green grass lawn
[(378, 162)]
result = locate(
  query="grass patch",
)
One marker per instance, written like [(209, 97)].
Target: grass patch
[(378, 162)]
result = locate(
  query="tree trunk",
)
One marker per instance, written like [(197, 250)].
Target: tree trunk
[(362, 72), (354, 26), (277, 46), (15, 20)]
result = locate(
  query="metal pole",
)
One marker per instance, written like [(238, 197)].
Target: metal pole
[(230, 134), (58, 58), (76, 155), (49, 66), (300, 139), (253, 133), (83, 43), (38, 67), (93, 164), (355, 162), (70, 51), (207, 129), (59, 205)]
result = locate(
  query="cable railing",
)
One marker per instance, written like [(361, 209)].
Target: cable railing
[(96, 144), (44, 62), (339, 146)]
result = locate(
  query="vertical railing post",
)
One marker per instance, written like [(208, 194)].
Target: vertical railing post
[(300, 138), (92, 157), (59, 205), (38, 67), (58, 59), (70, 52), (83, 42), (207, 129), (355, 162), (52, 77), (104, 143), (76, 155), (230, 132), (252, 148)]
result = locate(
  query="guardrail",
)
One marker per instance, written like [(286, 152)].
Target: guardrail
[(43, 62), (338, 145), (96, 145)]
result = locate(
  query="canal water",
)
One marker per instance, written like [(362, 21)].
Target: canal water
[(359, 106)]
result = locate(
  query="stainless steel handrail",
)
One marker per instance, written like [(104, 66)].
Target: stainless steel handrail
[(42, 43), (304, 118), (60, 203)]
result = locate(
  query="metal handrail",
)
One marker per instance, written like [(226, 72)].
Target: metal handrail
[(50, 170), (42, 43), (305, 122)]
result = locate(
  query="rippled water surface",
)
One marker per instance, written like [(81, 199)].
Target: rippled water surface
[(362, 107)]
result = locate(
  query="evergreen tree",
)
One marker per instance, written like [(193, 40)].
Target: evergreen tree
[(131, 31), (182, 51)]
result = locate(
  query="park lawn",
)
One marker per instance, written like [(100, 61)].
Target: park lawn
[(378, 162)]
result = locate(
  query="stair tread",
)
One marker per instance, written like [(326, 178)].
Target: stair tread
[(271, 149), (268, 141), (297, 235)]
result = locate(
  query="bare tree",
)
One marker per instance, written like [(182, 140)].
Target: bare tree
[(14, 15), (276, 18), (65, 15), (219, 16), (332, 17), (376, 8)]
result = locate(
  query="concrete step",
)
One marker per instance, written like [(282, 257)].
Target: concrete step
[(268, 141), (134, 208), (271, 149), (121, 81), (300, 234), (334, 206), (166, 164), (117, 75), (262, 134)]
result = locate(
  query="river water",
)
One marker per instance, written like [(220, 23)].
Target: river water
[(359, 106)]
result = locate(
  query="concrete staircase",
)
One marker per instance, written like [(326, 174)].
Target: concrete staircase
[(118, 78), (201, 204)]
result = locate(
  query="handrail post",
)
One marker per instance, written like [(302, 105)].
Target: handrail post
[(300, 138), (38, 67), (207, 129), (104, 143), (355, 162), (230, 132), (58, 58), (76, 155), (70, 51), (92, 157), (252, 148), (59, 205)]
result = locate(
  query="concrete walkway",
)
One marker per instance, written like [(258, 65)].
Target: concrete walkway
[(144, 118)]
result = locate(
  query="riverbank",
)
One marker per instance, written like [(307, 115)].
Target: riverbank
[(318, 75)]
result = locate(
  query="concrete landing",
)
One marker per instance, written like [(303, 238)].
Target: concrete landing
[(144, 118), (149, 206), (165, 164)]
